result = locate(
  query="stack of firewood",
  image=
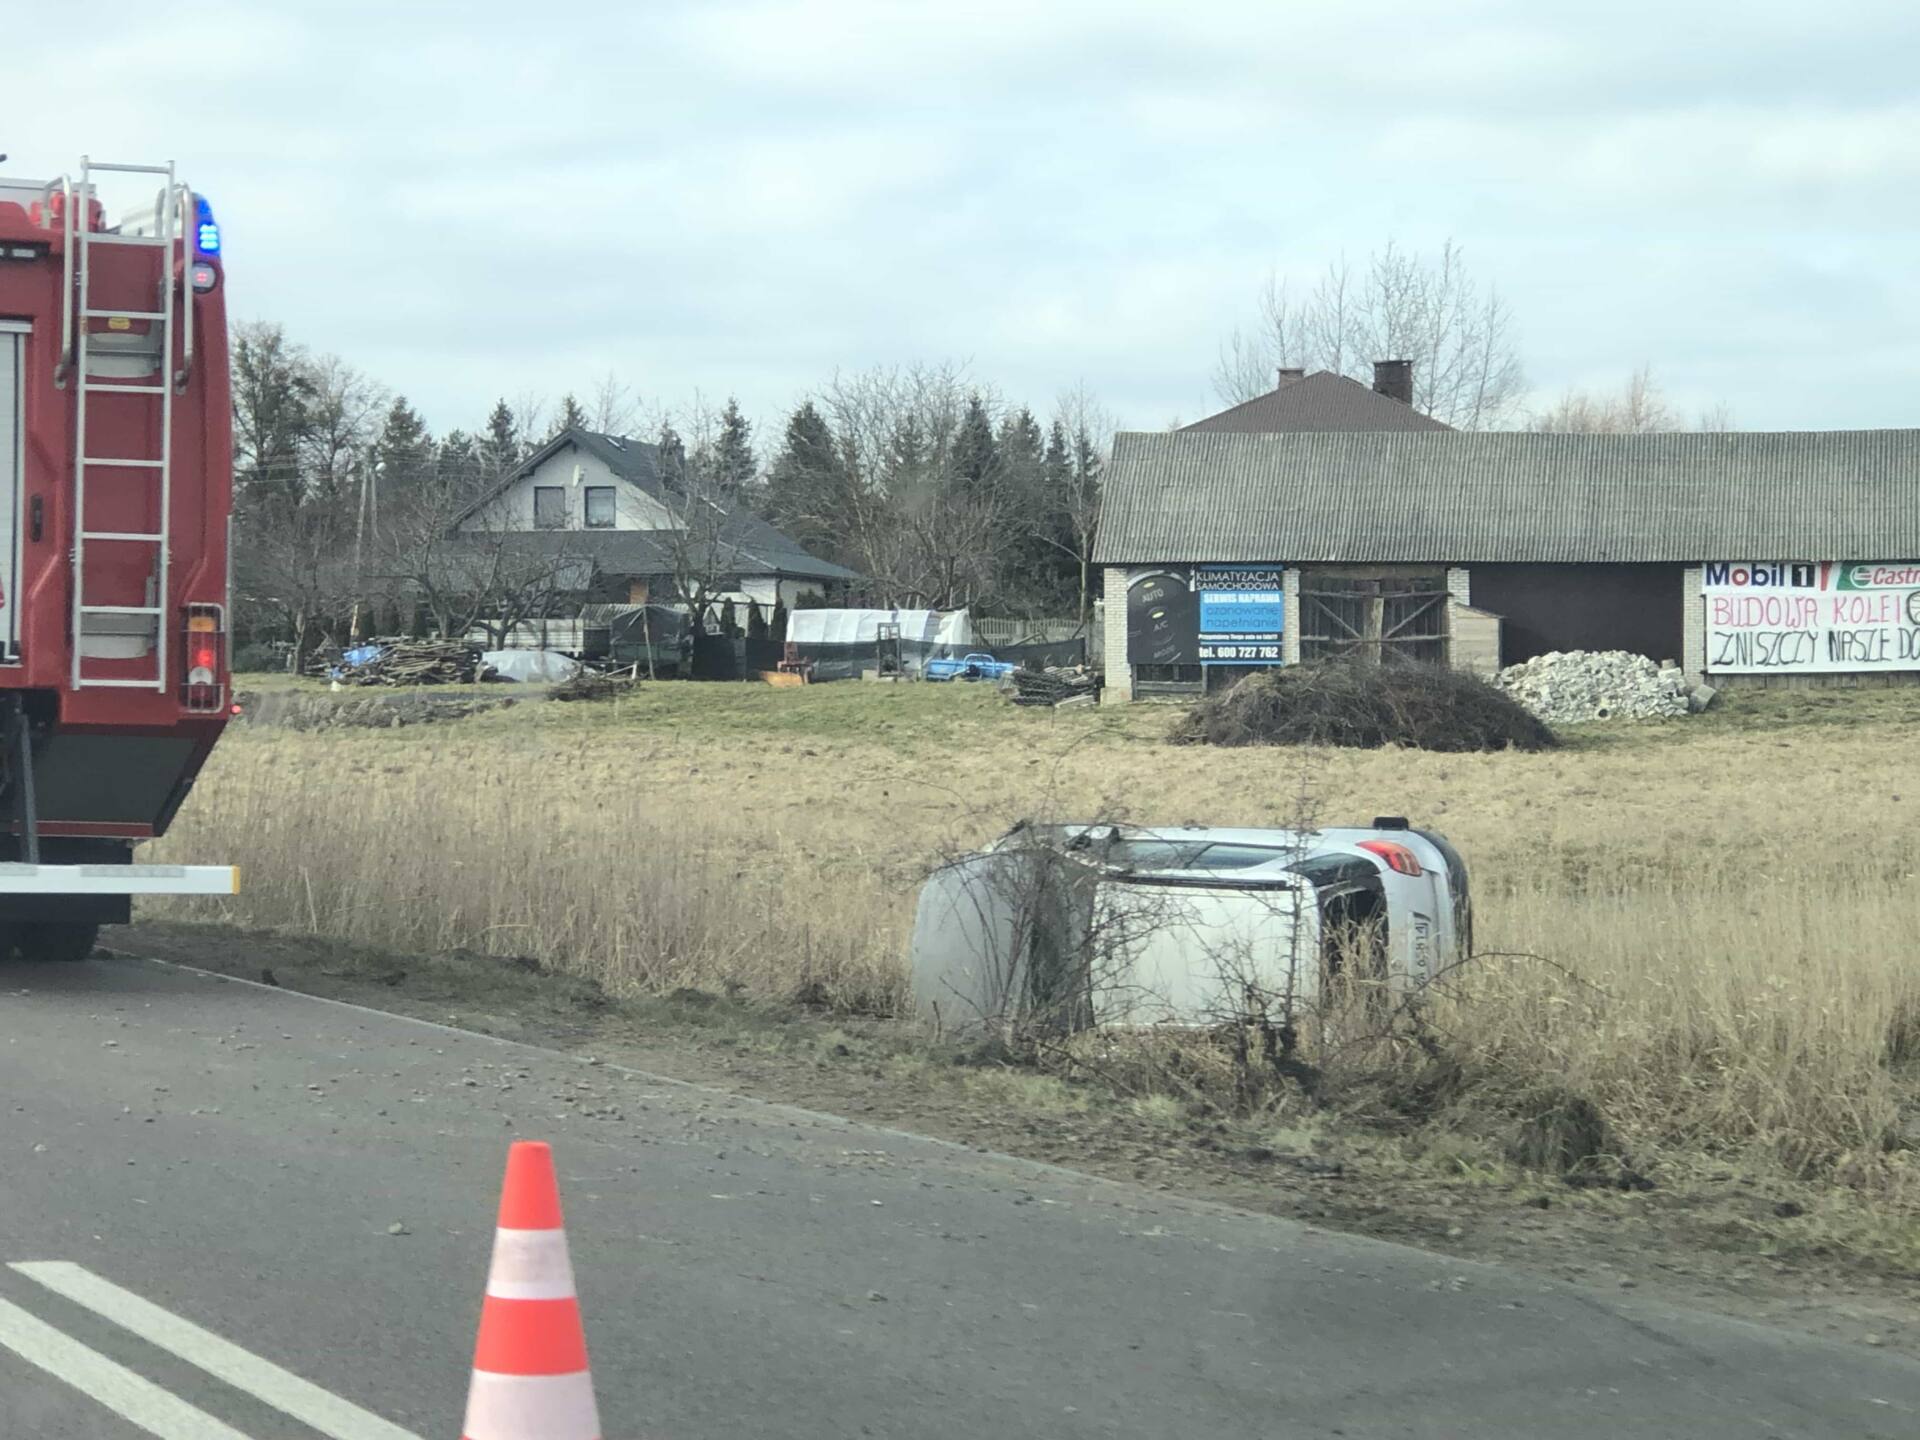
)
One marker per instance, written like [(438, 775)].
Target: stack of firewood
[(419, 662), (1054, 686)]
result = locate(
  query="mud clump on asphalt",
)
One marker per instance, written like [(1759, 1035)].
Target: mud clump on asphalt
[(1360, 705)]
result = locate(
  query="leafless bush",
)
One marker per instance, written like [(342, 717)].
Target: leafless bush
[(1364, 705)]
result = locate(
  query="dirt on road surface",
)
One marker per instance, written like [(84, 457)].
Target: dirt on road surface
[(1716, 1246)]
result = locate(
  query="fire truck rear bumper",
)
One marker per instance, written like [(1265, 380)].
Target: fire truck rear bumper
[(106, 880)]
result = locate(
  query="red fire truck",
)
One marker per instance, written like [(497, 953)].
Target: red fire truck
[(116, 488)]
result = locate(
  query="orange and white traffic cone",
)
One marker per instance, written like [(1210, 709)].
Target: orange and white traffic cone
[(530, 1377)]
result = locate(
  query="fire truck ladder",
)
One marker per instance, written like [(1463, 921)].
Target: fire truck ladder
[(171, 220)]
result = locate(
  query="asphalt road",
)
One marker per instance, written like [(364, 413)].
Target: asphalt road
[(238, 1156)]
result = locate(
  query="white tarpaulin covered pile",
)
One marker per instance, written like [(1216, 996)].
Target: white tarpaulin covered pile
[(840, 644), (531, 664), (862, 627)]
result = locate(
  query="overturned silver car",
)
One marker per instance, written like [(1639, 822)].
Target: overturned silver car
[(1079, 926)]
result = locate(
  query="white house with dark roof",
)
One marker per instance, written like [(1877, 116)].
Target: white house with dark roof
[(602, 502)]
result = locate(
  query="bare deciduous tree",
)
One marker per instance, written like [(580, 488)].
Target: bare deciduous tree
[(1401, 306), (474, 569), (1087, 428), (920, 504), (344, 411), (614, 408), (1639, 407), (293, 566)]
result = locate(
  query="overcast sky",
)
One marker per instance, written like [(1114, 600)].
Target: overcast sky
[(476, 199)]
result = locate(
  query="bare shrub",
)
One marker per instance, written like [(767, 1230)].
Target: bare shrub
[(1362, 705)]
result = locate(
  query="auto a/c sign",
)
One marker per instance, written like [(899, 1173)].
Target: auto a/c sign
[(1828, 617)]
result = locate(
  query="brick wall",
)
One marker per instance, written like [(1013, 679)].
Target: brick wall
[(1693, 623), (1113, 583), (1290, 590)]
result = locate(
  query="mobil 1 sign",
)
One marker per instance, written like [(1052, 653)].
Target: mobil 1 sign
[(1243, 613), (1830, 617)]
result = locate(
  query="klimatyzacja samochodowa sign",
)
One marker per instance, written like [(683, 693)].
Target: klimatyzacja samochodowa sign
[(1207, 615), (1787, 617), (1242, 614)]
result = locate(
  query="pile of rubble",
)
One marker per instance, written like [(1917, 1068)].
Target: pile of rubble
[(1573, 687)]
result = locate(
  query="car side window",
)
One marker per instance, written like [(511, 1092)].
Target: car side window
[(1153, 854), (1235, 857)]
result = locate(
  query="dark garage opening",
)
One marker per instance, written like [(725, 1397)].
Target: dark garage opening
[(1583, 607)]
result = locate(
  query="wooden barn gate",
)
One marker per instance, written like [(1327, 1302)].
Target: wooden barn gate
[(1374, 618)]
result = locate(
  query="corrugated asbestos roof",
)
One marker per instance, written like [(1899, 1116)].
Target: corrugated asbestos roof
[(1377, 498), (1320, 401)]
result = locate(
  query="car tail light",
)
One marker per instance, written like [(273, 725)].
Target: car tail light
[(203, 688), (1399, 858)]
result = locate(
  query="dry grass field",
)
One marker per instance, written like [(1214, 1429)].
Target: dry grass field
[(1707, 928)]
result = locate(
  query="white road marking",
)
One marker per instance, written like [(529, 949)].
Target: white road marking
[(221, 1358), (132, 1397)]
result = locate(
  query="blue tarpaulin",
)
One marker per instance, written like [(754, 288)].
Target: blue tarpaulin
[(353, 659)]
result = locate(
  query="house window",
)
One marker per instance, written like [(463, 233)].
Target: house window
[(1168, 679), (549, 507), (599, 507)]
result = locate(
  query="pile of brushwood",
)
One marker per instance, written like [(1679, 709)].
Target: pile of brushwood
[(1365, 705)]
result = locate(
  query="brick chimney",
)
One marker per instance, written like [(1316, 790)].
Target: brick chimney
[(1394, 379), (1289, 374)]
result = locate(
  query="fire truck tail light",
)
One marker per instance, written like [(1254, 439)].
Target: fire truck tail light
[(205, 278), (204, 690)]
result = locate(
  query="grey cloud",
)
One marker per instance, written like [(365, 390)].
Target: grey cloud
[(737, 197)]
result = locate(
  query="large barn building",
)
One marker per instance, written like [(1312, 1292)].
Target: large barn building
[(1737, 556)]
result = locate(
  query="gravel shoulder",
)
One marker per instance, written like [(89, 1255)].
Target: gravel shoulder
[(1719, 1244)]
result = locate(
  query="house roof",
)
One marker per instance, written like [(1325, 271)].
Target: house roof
[(648, 552), (1320, 401), (749, 545), (1382, 498), (635, 460)]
